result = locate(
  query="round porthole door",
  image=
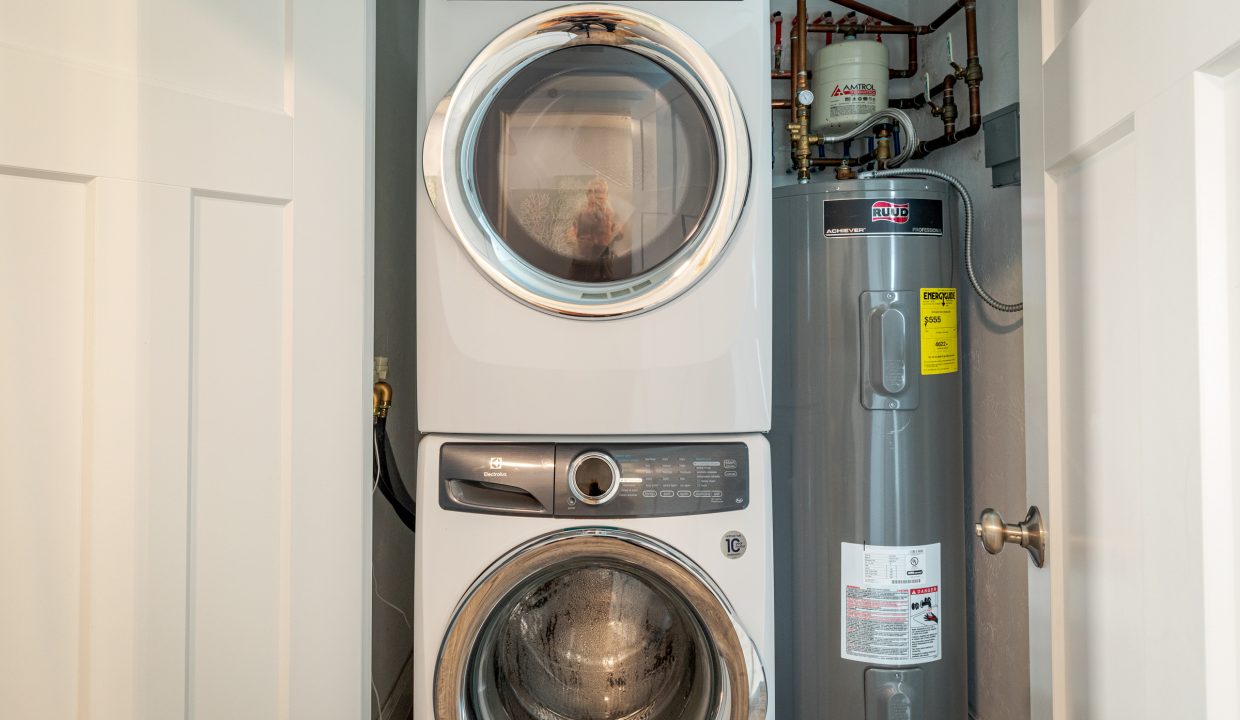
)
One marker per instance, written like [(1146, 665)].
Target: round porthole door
[(592, 161), (596, 624)]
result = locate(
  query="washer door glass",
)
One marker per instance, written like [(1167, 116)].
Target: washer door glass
[(592, 161), (595, 164), (594, 642), (596, 624)]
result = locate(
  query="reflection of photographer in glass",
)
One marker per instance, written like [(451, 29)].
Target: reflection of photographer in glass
[(594, 234)]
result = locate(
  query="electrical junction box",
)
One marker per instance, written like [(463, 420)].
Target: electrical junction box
[(1002, 131)]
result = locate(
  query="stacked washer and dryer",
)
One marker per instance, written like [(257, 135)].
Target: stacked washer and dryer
[(593, 325)]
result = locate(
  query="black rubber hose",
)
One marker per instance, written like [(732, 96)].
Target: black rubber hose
[(387, 477)]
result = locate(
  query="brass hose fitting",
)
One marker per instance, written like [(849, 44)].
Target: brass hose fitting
[(382, 398)]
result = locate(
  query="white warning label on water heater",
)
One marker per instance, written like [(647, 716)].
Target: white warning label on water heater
[(889, 604)]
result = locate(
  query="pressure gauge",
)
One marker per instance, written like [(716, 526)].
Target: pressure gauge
[(805, 97)]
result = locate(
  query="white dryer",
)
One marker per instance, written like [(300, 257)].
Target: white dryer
[(594, 227), (573, 578)]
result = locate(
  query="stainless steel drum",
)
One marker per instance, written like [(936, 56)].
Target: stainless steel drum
[(597, 624), (597, 643)]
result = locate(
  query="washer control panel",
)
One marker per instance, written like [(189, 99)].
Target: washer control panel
[(598, 481)]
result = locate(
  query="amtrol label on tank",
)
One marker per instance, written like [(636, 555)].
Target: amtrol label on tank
[(939, 347), (888, 216), (889, 604)]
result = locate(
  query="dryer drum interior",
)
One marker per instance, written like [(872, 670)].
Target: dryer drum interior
[(591, 627), (594, 164), (591, 164)]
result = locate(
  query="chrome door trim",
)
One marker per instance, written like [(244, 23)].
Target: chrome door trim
[(743, 694), (448, 152)]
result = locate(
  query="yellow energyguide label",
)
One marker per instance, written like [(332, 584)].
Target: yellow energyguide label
[(939, 348)]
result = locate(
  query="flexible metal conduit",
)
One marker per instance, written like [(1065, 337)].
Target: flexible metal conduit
[(968, 228)]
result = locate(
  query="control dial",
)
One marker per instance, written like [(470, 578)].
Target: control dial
[(593, 477)]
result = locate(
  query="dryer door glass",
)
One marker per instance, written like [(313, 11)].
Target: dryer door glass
[(592, 161), (595, 164)]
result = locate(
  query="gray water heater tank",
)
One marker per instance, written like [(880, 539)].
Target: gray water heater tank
[(867, 442)]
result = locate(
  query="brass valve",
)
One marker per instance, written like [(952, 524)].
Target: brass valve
[(882, 152), (972, 73), (801, 142)]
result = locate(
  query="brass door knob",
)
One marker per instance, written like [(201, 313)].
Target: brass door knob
[(1029, 534)]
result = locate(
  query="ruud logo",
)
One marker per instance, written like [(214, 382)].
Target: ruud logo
[(889, 212)]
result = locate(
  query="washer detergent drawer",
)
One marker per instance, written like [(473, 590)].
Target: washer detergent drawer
[(501, 479)]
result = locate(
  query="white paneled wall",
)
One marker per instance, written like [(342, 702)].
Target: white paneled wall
[(184, 359), (43, 239), (134, 654), (238, 466)]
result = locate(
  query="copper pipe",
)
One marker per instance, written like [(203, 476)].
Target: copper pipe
[(867, 10), (781, 104), (973, 78), (862, 161), (911, 70), (948, 14), (781, 75), (871, 29), (948, 110), (799, 134), (973, 67), (917, 101)]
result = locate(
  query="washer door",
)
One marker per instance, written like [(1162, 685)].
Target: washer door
[(592, 161), (597, 624)]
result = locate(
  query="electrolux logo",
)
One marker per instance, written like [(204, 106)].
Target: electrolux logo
[(889, 212), (854, 89)]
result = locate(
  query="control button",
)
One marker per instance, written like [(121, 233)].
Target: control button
[(729, 473), (683, 493), (667, 493), (594, 478), (716, 493), (701, 493), (649, 493)]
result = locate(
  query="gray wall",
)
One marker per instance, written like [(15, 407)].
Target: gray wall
[(993, 371), (395, 193)]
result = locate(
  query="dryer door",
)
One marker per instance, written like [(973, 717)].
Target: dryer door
[(592, 161), (597, 624)]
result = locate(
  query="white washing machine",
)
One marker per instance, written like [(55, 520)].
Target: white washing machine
[(610, 579), (595, 219)]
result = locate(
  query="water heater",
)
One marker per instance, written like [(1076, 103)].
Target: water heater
[(868, 453)]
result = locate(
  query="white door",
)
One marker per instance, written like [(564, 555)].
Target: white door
[(184, 359), (1132, 310)]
